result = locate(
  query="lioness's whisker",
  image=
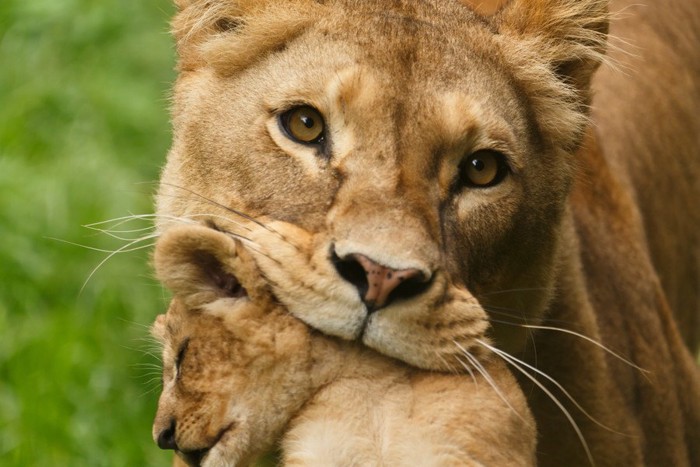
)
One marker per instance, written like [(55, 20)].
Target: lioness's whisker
[(589, 339), (234, 211), (222, 206), (480, 368), (516, 363), (570, 397), (120, 220), (517, 290), (252, 244), (576, 334), (517, 315), (467, 367), (117, 234), (117, 251), (449, 366), (103, 250)]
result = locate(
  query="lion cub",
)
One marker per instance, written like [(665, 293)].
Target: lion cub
[(240, 373)]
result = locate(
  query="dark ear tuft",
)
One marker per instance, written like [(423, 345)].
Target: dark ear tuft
[(260, 26), (553, 47), (228, 24), (570, 34)]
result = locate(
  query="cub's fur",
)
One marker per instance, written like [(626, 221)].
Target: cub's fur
[(239, 371), (543, 211)]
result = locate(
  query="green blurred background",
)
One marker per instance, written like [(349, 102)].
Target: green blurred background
[(83, 132)]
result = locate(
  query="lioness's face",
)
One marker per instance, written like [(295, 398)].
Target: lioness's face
[(390, 168)]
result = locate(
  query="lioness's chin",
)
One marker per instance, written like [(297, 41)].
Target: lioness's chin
[(440, 333), (432, 332)]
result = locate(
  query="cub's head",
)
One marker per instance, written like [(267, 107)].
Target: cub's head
[(234, 371), (401, 167)]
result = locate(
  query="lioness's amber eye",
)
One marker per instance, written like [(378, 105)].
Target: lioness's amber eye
[(304, 125), (483, 169)]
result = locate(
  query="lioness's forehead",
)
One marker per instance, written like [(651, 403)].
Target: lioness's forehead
[(391, 58), (414, 38), (386, 70)]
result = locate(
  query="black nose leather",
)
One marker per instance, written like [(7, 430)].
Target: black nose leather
[(166, 438), (378, 285)]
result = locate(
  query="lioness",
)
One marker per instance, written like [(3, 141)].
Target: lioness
[(239, 371), (430, 181)]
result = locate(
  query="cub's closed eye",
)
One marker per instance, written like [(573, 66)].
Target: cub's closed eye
[(483, 169), (304, 125), (181, 354)]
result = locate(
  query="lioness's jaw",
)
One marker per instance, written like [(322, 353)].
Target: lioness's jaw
[(443, 143)]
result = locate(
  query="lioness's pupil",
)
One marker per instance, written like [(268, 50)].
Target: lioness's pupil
[(478, 164), (307, 121), (304, 125), (482, 169)]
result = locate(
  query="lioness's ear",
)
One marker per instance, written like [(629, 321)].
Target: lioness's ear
[(196, 262), (230, 34), (569, 34)]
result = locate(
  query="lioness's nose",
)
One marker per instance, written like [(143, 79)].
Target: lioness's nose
[(166, 438), (378, 285)]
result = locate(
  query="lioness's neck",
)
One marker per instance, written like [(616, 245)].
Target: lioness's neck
[(607, 288)]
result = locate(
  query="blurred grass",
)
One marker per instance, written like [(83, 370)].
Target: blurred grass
[(83, 132)]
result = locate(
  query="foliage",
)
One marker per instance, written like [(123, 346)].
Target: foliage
[(83, 132)]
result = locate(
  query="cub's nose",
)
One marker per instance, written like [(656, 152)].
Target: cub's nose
[(378, 285), (166, 438)]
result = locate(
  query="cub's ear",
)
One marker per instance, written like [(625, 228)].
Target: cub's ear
[(230, 34), (197, 264), (569, 34)]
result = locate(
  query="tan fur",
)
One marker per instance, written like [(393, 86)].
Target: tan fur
[(596, 230), (251, 372)]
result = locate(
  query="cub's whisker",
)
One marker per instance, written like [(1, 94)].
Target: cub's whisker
[(153, 353), (151, 390)]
